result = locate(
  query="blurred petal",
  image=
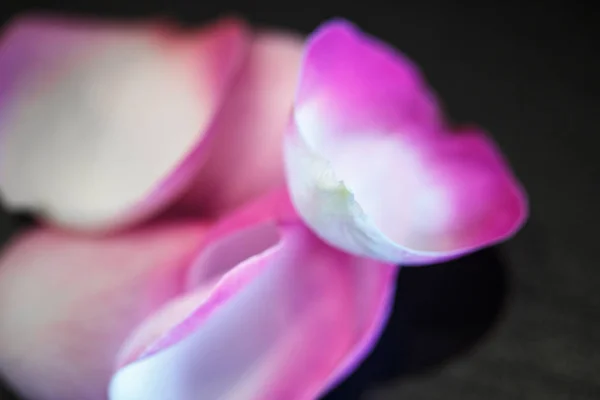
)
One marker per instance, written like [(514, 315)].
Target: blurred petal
[(373, 168), (102, 125), (196, 314), (247, 158), (289, 321), (67, 303)]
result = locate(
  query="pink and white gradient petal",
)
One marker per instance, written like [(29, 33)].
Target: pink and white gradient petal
[(102, 125), (290, 318), (375, 170), (256, 307)]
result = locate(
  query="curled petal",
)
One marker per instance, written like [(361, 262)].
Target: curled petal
[(373, 167), (289, 319), (246, 159), (187, 312), (102, 125)]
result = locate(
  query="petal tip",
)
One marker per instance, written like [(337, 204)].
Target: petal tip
[(335, 25), (229, 27)]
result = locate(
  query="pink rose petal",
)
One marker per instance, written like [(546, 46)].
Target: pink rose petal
[(101, 124), (247, 156), (255, 308), (374, 169), (286, 323), (67, 303)]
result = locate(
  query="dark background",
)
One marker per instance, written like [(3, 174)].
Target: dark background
[(521, 321)]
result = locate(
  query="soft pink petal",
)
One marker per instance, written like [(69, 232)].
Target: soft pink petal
[(247, 159), (67, 304), (102, 124), (292, 318), (374, 169), (195, 313)]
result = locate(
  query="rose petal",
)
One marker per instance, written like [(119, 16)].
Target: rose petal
[(286, 323), (246, 159), (102, 125), (374, 170), (67, 303), (184, 306)]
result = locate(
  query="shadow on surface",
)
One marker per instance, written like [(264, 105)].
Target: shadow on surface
[(440, 312), (9, 226), (6, 395)]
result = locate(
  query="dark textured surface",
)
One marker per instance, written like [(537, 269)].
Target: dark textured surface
[(521, 321)]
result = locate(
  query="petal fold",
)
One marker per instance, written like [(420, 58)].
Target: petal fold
[(247, 156), (256, 307), (101, 125), (374, 169), (289, 319)]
